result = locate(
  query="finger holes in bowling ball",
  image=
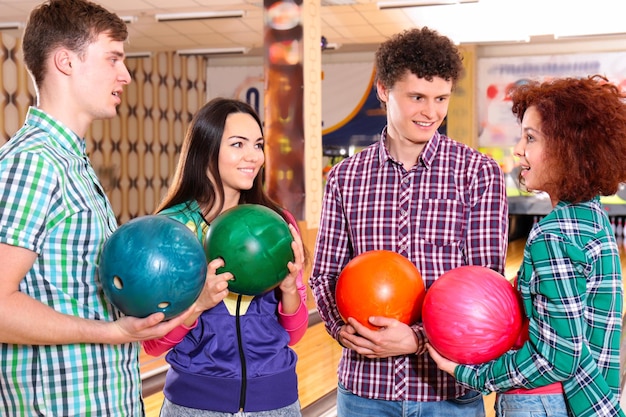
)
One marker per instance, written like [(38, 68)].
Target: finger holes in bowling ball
[(163, 305), (118, 283)]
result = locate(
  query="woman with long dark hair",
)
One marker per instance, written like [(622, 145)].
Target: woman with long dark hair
[(233, 353)]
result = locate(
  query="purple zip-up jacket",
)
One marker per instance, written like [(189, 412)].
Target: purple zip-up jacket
[(237, 355)]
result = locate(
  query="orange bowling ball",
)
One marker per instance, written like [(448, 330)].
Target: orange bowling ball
[(380, 283)]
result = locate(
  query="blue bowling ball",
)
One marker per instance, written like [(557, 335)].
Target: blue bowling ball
[(152, 264)]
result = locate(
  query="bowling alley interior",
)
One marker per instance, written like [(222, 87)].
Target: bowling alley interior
[(180, 54)]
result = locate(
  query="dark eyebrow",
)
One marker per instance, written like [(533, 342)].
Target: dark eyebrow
[(261, 138)]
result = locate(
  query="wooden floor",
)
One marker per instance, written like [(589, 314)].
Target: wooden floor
[(318, 354)]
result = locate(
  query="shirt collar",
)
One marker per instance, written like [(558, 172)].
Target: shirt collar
[(430, 150), (593, 201), (426, 157), (57, 131)]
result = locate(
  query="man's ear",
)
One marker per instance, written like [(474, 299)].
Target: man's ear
[(63, 60), (381, 91)]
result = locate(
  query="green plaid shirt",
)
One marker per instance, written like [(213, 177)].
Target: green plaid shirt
[(571, 285), (52, 203)]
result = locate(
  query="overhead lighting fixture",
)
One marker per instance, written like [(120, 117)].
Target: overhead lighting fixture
[(493, 40), (399, 4), (11, 25), (328, 45), (575, 36), (173, 17), (213, 51), (138, 55), (129, 19), (331, 46)]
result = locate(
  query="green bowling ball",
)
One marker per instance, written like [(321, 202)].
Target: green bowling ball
[(152, 264), (255, 243)]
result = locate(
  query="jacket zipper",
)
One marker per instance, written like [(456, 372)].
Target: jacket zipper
[(242, 394)]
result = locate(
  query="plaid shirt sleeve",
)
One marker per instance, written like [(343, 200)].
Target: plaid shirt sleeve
[(569, 292), (487, 229), (332, 254)]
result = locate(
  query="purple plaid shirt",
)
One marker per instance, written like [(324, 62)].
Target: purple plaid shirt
[(448, 210)]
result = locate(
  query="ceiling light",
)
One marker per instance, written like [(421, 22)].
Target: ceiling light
[(129, 19), (214, 51), (172, 17), (398, 4), (331, 46), (586, 35), (138, 54), (11, 25), (492, 39)]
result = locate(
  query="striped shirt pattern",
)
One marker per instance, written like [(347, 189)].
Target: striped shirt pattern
[(448, 210), (52, 203), (571, 284)]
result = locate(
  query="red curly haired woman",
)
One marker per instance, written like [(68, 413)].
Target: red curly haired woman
[(573, 147)]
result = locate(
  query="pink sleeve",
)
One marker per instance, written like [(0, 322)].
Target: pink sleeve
[(295, 324), (157, 347)]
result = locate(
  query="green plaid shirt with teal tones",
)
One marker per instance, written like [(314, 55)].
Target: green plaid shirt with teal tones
[(52, 203), (571, 284)]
